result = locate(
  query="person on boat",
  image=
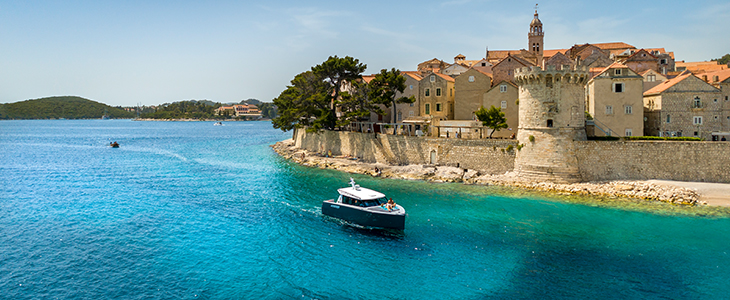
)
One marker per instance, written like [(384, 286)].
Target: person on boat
[(390, 205)]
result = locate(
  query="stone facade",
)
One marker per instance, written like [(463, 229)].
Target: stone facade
[(551, 114), (504, 70), (616, 110), (641, 61), (505, 96), (470, 87), (684, 106), (436, 94)]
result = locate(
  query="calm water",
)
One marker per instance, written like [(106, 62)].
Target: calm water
[(188, 210)]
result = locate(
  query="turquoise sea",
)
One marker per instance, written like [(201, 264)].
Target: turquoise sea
[(188, 210)]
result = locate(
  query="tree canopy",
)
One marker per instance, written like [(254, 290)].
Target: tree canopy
[(313, 97), (191, 109), (386, 86), (492, 118), (724, 60)]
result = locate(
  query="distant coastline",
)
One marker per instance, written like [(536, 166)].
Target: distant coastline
[(197, 120)]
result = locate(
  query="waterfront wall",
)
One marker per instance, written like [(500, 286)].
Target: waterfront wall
[(595, 160), (640, 160), (488, 156)]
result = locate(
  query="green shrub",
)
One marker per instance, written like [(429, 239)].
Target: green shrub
[(509, 148), (532, 138), (519, 146)]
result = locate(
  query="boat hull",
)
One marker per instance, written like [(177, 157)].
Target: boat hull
[(364, 217)]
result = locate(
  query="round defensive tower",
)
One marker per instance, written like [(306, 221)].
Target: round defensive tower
[(552, 116)]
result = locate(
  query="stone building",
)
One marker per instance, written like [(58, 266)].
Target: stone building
[(685, 106), (641, 61), (470, 88), (652, 78), (504, 69), (409, 110), (551, 113), (614, 99), (436, 94), (505, 96)]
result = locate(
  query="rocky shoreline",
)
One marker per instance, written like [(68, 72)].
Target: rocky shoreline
[(635, 189)]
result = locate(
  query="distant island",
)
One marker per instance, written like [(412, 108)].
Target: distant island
[(73, 107), (61, 107)]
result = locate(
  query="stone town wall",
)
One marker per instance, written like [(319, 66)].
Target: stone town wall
[(596, 160), (488, 156), (640, 160)]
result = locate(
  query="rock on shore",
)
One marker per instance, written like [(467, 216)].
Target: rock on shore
[(626, 188)]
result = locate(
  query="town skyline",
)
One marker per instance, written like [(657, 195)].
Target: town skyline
[(127, 53)]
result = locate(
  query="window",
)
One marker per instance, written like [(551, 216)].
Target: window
[(438, 92), (504, 104), (651, 78), (410, 113), (484, 64), (663, 61), (609, 109), (428, 92), (717, 117), (428, 109), (451, 92), (471, 78), (411, 87), (725, 98), (433, 78), (715, 100), (400, 116), (697, 120), (411, 104), (549, 123), (503, 88), (628, 132), (618, 87), (438, 106), (628, 109), (669, 119), (617, 72), (697, 103)]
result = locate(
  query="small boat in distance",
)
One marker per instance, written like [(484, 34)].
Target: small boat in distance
[(114, 145), (366, 208), (218, 124)]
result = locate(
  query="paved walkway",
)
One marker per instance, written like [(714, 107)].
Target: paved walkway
[(715, 194)]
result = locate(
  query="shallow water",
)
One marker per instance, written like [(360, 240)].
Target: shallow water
[(188, 210)]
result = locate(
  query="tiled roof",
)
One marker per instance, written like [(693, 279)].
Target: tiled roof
[(614, 46), (616, 65), (413, 74), (640, 51), (368, 78), (721, 75), (701, 66), (667, 84), (444, 76)]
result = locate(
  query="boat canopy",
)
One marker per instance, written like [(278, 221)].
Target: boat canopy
[(360, 193)]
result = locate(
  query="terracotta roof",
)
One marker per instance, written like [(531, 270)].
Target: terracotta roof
[(368, 78), (614, 46), (721, 75), (666, 84), (444, 76), (616, 65), (640, 51), (413, 74), (546, 53), (700, 66)]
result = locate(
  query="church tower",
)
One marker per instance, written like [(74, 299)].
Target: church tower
[(535, 38)]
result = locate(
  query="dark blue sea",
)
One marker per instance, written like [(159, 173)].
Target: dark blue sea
[(188, 210)]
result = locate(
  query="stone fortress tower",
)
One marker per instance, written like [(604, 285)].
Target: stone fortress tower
[(551, 114)]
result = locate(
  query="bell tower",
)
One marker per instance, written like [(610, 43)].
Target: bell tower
[(535, 38)]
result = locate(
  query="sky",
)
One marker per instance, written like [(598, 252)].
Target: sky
[(125, 53)]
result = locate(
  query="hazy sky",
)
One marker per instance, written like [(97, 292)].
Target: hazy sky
[(152, 52)]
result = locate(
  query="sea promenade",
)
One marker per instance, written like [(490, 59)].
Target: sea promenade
[(675, 192)]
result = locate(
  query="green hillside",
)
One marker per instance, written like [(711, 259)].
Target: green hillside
[(69, 107)]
